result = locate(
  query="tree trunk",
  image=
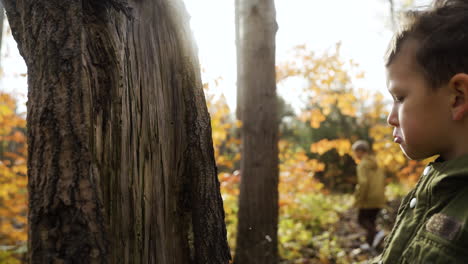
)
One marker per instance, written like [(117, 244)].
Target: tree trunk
[(121, 164), (258, 201)]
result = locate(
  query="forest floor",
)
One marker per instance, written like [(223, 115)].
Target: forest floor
[(344, 245)]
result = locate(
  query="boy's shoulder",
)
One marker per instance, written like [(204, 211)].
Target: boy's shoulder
[(368, 162), (455, 213), (449, 191), (450, 225), (448, 177), (448, 186), (437, 231)]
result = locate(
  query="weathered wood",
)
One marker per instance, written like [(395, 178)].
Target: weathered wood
[(121, 164)]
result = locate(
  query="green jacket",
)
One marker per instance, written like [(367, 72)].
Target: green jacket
[(370, 188), (432, 222)]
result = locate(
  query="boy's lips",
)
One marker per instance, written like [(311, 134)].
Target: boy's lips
[(397, 139)]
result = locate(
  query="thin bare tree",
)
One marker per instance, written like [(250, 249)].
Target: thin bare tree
[(258, 201)]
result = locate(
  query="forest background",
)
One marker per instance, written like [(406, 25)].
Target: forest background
[(324, 107)]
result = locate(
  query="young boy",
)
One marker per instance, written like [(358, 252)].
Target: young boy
[(427, 68), (370, 190)]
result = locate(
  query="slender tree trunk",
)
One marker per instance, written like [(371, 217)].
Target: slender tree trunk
[(258, 201), (121, 164)]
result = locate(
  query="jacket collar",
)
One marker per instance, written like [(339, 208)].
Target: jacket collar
[(453, 167)]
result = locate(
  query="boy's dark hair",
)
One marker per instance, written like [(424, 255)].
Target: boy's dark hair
[(442, 36), (361, 145)]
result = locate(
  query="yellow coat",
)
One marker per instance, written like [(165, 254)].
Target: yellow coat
[(370, 189)]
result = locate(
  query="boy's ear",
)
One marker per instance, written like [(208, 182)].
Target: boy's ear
[(459, 87)]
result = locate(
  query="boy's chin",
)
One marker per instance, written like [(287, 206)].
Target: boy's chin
[(415, 156)]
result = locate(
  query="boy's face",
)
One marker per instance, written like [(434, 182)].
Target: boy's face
[(420, 115), (359, 154)]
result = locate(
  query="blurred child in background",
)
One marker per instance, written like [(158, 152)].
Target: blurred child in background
[(370, 191)]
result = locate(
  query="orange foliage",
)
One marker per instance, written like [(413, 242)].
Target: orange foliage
[(328, 82), (343, 146), (230, 182), (314, 116), (13, 181), (224, 126), (296, 173)]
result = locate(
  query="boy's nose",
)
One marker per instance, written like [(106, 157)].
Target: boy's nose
[(392, 118)]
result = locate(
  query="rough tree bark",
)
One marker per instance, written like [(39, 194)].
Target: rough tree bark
[(258, 201), (121, 166)]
